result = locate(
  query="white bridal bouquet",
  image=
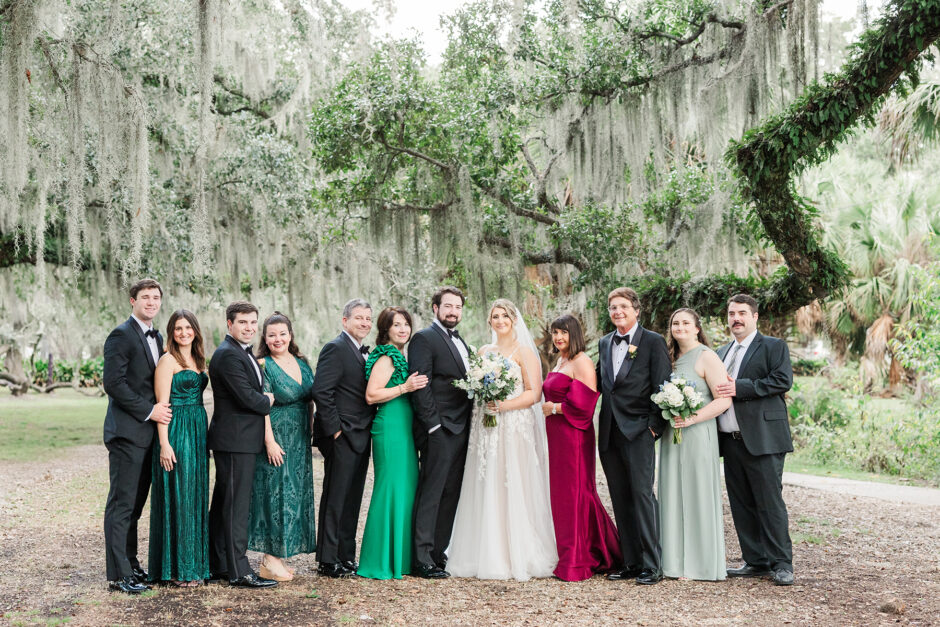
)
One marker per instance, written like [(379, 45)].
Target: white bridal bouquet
[(491, 377), (678, 398)]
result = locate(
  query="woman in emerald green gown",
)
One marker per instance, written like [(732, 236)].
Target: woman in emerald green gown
[(179, 497), (386, 543), (282, 519)]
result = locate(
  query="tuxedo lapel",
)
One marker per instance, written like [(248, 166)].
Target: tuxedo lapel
[(606, 361), (245, 357), (143, 340), (450, 346), (753, 348), (627, 361), (348, 342)]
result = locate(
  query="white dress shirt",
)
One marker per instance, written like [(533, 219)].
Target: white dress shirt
[(618, 350), (728, 422)]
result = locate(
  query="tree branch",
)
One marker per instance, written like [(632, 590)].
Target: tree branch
[(531, 257), (414, 153)]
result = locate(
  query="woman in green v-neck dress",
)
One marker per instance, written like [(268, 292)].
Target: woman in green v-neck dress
[(282, 519)]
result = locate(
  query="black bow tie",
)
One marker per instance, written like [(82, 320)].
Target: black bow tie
[(152, 333), (364, 349), (248, 350), (453, 333), (621, 338)]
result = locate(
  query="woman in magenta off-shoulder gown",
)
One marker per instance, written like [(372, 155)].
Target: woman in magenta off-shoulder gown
[(586, 536)]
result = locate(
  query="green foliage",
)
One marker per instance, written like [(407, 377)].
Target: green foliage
[(806, 366), (885, 59), (600, 236), (89, 372), (685, 187), (917, 343), (835, 423)]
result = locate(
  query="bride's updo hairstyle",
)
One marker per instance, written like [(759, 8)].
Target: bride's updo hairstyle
[(576, 343), (506, 305)]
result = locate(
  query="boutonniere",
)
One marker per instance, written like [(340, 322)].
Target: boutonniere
[(261, 364), (472, 348), (631, 352)]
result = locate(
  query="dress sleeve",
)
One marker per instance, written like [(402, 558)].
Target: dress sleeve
[(578, 406), (399, 363)]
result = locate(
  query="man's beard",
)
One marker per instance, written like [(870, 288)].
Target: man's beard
[(448, 324)]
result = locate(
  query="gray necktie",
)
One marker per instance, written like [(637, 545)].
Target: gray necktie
[(734, 359)]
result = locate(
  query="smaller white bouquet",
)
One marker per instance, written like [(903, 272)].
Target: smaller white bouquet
[(491, 377), (678, 398)]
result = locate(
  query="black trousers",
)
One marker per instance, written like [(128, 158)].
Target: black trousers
[(630, 468), (129, 470), (442, 455), (344, 479), (755, 493), (228, 514)]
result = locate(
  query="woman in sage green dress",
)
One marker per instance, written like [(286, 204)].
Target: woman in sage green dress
[(282, 519), (179, 495), (690, 513), (387, 542)]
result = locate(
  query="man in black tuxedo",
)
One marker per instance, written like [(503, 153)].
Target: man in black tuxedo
[(754, 438), (632, 363), (236, 436), (442, 430), (342, 431), (131, 353)]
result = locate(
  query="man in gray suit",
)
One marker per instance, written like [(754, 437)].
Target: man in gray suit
[(754, 438)]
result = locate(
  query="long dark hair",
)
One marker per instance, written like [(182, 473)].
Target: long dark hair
[(671, 342), (197, 351), (569, 323), (278, 318), (385, 321)]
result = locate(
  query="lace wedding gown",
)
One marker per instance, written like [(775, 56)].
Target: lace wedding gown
[(503, 528)]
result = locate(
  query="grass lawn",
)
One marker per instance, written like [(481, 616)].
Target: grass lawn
[(38, 427)]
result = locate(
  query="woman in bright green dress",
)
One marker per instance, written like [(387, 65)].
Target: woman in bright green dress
[(387, 541), (179, 496), (282, 519), (690, 513)]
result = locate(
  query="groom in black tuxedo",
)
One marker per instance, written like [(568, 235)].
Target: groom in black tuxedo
[(342, 431), (131, 353), (632, 363), (442, 430), (236, 436), (754, 438)]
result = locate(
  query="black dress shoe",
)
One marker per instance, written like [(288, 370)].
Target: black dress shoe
[(750, 571), (441, 563), (430, 572), (140, 573), (624, 573), (350, 565), (335, 570), (252, 580), (128, 585), (783, 577), (648, 577)]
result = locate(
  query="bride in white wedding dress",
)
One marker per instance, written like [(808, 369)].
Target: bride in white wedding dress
[(504, 528)]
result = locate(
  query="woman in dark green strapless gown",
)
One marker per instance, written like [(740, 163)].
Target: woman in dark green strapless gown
[(281, 522), (387, 541), (179, 497)]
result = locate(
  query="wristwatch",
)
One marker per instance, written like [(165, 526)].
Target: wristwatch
[(555, 408)]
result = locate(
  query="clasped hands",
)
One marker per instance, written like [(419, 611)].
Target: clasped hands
[(415, 381)]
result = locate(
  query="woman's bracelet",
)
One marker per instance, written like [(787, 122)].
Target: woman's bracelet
[(401, 390)]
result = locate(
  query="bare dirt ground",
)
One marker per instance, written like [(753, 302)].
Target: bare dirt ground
[(858, 560)]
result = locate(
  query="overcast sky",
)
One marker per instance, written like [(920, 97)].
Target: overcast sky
[(423, 17)]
